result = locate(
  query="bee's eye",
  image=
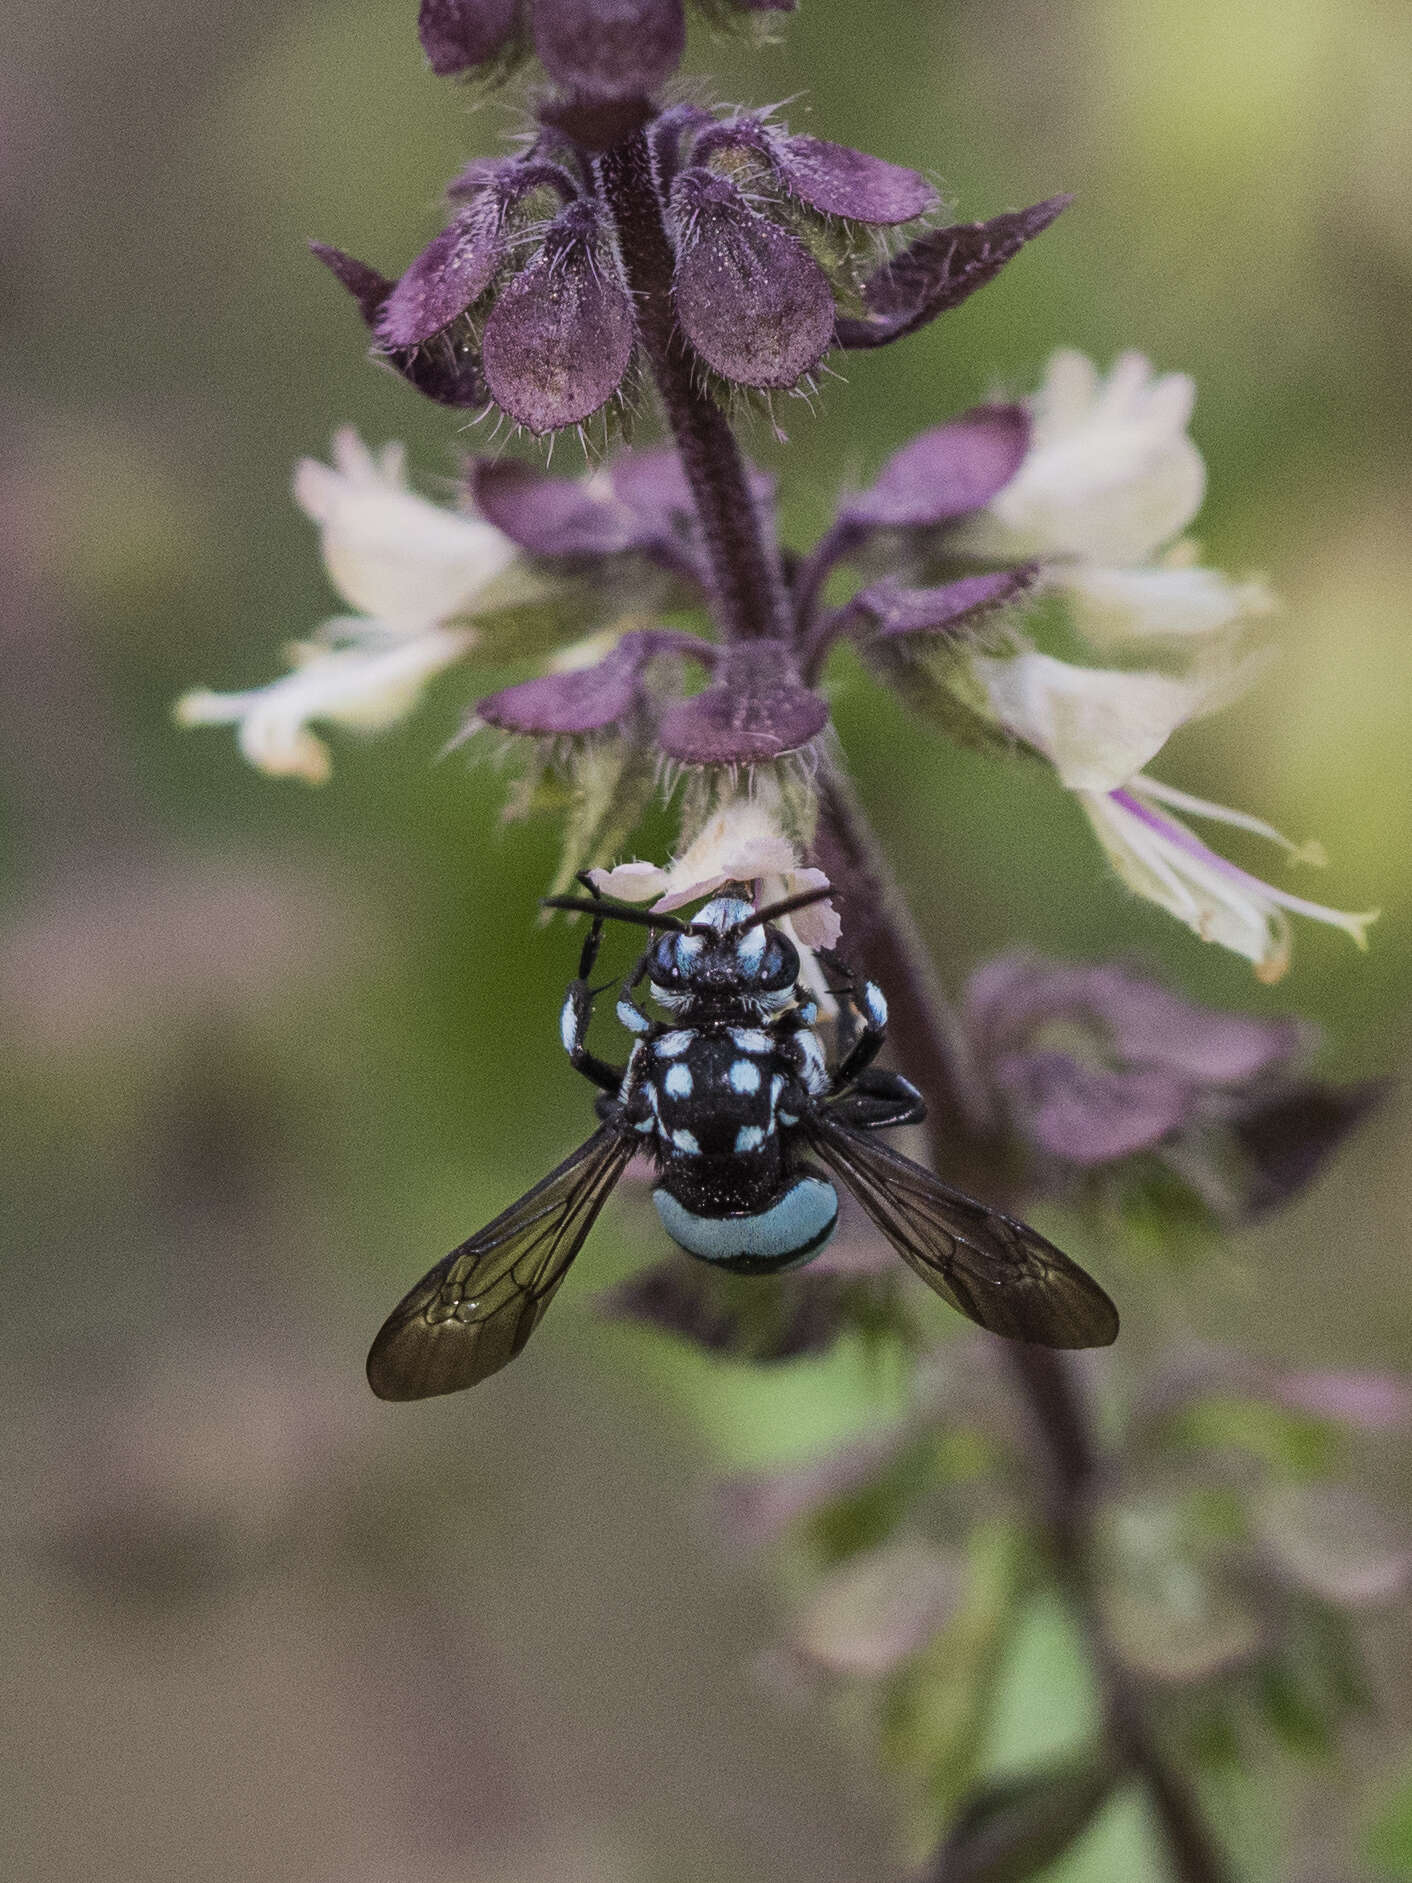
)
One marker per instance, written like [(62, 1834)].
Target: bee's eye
[(666, 966), (780, 966)]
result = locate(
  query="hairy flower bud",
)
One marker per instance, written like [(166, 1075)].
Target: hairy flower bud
[(581, 700), (831, 178), (560, 336), (459, 35), (944, 474), (1094, 1065), (458, 265), (756, 709), (754, 304), (449, 374)]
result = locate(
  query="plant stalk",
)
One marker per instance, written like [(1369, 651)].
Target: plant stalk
[(1063, 1442), (747, 581)]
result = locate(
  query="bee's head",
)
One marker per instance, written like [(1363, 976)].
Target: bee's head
[(724, 955)]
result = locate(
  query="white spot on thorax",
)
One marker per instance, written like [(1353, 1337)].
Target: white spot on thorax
[(671, 1044), (749, 1039), (749, 1138), (686, 1141), (678, 1082), (743, 1076)]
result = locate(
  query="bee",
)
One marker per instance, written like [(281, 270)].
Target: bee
[(732, 1097)]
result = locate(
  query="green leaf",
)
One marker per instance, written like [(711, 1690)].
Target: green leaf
[(1013, 1828)]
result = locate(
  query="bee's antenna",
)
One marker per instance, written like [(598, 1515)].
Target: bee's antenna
[(804, 900), (609, 911)]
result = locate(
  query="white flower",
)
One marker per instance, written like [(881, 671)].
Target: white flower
[(1171, 601), (1108, 484), (1163, 860), (1110, 474), (741, 842), (364, 687), (1098, 725), (411, 568), (1098, 728), (388, 552)]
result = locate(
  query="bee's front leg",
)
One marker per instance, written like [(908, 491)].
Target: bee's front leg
[(577, 1012), (863, 1021)]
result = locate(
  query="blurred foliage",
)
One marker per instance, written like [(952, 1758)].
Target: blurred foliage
[(273, 1050)]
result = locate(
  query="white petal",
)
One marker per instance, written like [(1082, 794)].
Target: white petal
[(631, 882), (345, 686), (390, 553), (1097, 725), (1163, 861), (1110, 475), (1114, 606), (1200, 898)]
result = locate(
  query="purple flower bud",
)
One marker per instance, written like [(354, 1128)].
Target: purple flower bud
[(939, 270), (456, 268), (838, 181), (831, 178), (756, 709), (448, 373), (458, 35), (754, 304), (450, 273), (610, 48), (1095, 1063), (892, 612), (944, 474), (560, 336), (550, 516), (1285, 1136), (588, 699)]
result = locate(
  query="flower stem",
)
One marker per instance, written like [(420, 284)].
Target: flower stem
[(747, 580), (1064, 1447)]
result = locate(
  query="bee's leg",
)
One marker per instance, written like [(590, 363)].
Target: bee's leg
[(862, 1021), (878, 1100), (578, 1011)]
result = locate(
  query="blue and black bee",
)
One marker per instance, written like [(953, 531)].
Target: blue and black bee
[(729, 1095)]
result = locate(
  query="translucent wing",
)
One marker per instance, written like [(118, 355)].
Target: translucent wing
[(476, 1309), (995, 1269)]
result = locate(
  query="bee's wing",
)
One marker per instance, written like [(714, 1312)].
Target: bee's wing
[(478, 1307), (999, 1271)]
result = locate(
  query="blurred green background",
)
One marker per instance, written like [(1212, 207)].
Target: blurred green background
[(272, 1050)]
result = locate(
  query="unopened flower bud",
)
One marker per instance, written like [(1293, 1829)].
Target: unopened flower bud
[(756, 709), (560, 336), (755, 305)]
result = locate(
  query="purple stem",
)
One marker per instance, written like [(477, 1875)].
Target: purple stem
[(967, 1144), (747, 581)]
